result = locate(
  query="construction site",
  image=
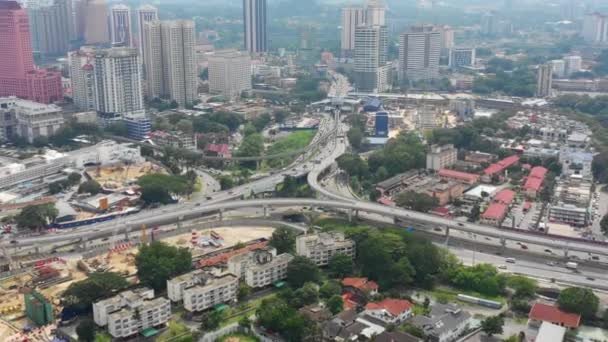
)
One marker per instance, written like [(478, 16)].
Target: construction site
[(117, 177)]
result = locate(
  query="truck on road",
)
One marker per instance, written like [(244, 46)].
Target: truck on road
[(571, 265)]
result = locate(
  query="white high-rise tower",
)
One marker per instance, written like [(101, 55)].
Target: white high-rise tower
[(352, 17), (120, 25), (145, 14), (375, 13)]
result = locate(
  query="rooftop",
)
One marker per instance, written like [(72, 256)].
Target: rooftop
[(394, 306), (552, 314), (505, 196), (360, 283), (495, 211), (502, 165), (470, 177)]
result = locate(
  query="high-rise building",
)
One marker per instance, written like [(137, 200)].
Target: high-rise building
[(419, 53), (94, 22), (595, 28), (573, 64), (447, 37), (375, 13), (118, 89), (371, 68), (544, 80), (229, 73), (82, 75), (559, 68), (120, 26), (461, 56), (489, 24), (254, 18), (169, 63), (51, 26), (145, 14), (18, 76), (352, 17)]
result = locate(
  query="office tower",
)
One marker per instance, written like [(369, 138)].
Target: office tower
[(18, 76), (559, 68), (544, 80), (254, 18), (371, 68), (419, 52), (169, 62), (179, 67), (461, 56), (352, 17), (82, 76), (95, 22), (573, 64), (118, 91), (51, 26), (120, 26), (595, 28), (375, 13), (489, 24), (447, 37), (229, 73), (145, 14)]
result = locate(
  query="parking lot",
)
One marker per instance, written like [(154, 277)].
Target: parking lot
[(525, 214)]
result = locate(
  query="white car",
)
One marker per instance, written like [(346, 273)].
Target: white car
[(502, 267)]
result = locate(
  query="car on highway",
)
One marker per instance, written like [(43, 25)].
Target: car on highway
[(590, 278), (551, 263), (502, 267), (510, 260), (548, 251)]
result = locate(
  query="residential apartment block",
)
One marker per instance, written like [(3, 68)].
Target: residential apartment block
[(441, 157), (201, 290), (320, 248), (131, 312), (260, 268)]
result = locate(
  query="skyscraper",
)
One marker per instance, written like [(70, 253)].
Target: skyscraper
[(82, 75), (118, 90), (229, 73), (419, 53), (94, 21), (169, 62), (254, 18), (595, 28), (145, 14), (544, 80), (489, 25), (18, 76), (120, 26), (352, 17), (371, 69), (51, 26), (375, 13), (573, 64)]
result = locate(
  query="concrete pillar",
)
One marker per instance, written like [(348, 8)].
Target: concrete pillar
[(127, 229), (37, 249), (350, 215), (357, 213), (265, 211), (503, 244), (221, 214), (566, 253), (83, 243), (447, 232)]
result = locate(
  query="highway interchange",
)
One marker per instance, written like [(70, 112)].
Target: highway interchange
[(329, 144)]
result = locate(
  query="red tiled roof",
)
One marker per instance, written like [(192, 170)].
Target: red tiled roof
[(535, 178), (495, 211), (469, 177), (360, 283), (394, 306), (386, 201), (223, 258), (218, 148), (505, 196), (552, 314), (501, 165)]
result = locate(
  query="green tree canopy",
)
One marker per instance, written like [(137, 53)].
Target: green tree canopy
[(340, 265), (86, 330), (492, 325), (335, 304), (283, 239), (158, 262), (82, 294), (523, 286), (330, 288), (302, 270), (579, 300), (417, 201), (37, 216), (89, 187)]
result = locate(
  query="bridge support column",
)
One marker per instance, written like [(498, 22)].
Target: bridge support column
[(566, 253), (37, 249), (357, 213), (350, 215), (221, 214), (503, 244), (265, 211), (83, 244)]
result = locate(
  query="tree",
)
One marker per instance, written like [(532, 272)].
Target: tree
[(475, 213), (251, 146), (335, 304), (37, 216), (283, 239), (416, 201), (280, 115), (305, 295), (579, 300), (155, 193), (86, 330), (161, 188), (244, 291), (212, 320), (176, 332), (226, 182), (82, 294), (118, 128), (103, 337), (604, 224), (523, 286), (340, 265), (158, 262), (329, 289), (56, 187), (276, 315), (74, 178), (185, 126), (355, 137), (40, 141), (492, 325), (146, 151), (302, 270), (245, 322), (90, 187)]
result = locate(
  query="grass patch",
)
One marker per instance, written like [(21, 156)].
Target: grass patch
[(234, 314), (293, 142), (332, 223), (238, 338), (451, 295)]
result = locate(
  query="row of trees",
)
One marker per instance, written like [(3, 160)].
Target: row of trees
[(161, 188)]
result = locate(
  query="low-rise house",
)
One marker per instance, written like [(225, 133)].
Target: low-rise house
[(499, 208), (315, 313), (218, 150), (396, 336), (320, 248), (550, 332), (445, 323), (390, 310), (498, 168), (541, 312), (360, 286), (132, 312), (440, 157), (458, 176), (534, 181)]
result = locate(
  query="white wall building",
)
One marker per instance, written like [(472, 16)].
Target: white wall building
[(375, 13), (130, 312), (371, 67), (419, 53), (260, 268), (544, 80), (441, 157), (320, 248), (461, 56), (559, 68), (120, 25), (573, 64), (201, 290), (229, 73), (595, 28), (254, 19), (145, 14), (82, 75), (29, 119), (352, 17)]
